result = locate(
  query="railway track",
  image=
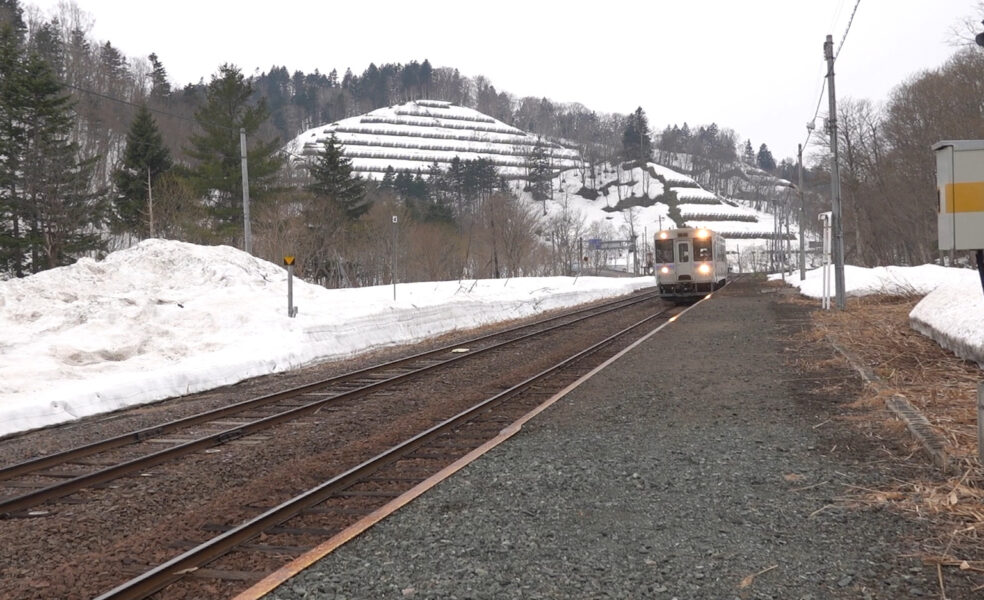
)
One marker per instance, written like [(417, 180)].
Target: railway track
[(184, 528), (297, 524), (31, 483)]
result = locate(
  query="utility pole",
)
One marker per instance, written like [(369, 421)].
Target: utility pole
[(150, 203), (802, 256), (835, 196), (247, 234)]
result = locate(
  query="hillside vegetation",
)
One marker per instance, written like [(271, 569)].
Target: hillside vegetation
[(101, 150)]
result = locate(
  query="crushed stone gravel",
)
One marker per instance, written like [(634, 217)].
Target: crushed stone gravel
[(696, 466)]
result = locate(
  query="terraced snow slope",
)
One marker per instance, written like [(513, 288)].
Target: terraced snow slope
[(646, 191), (417, 134)]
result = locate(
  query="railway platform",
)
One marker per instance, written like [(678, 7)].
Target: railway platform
[(699, 464)]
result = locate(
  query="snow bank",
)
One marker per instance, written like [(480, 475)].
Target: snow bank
[(953, 315), (167, 318), (859, 281)]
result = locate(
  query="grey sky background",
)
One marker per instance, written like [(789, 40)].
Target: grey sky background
[(755, 66)]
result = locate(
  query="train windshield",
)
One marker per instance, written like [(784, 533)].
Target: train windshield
[(683, 252), (702, 249), (664, 251)]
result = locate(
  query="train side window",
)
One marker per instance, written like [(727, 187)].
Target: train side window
[(683, 252), (664, 251)]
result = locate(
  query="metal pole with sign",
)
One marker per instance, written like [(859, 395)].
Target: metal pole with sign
[(291, 309), (825, 260), (395, 233)]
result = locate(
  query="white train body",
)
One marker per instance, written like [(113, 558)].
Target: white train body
[(689, 262)]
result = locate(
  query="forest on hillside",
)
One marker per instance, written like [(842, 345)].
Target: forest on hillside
[(86, 134)]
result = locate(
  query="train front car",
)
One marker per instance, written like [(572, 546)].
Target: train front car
[(690, 263)]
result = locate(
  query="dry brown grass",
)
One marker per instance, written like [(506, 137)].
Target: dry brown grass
[(875, 330)]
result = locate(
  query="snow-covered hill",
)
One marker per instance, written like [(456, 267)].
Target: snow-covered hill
[(417, 134), (644, 195)]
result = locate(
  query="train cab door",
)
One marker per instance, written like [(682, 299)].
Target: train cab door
[(684, 260)]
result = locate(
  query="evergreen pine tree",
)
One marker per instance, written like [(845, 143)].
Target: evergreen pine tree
[(401, 184), (389, 179), (439, 191), (12, 15), (160, 87), (216, 150), (144, 160), (418, 190), (538, 172), (636, 141), (333, 180), (62, 213), (425, 76), (764, 159), (748, 154), (12, 141)]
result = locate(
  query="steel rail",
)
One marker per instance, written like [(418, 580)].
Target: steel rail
[(163, 575), (140, 435), (33, 498)]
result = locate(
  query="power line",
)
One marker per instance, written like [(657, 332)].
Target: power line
[(154, 110), (846, 31), (836, 16), (823, 86), (127, 102), (809, 131)]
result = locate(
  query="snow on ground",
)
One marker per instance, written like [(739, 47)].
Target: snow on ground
[(721, 211), (893, 281), (166, 318), (692, 193), (672, 177), (951, 311)]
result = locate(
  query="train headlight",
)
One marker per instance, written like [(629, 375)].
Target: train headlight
[(703, 233), (704, 269), (663, 235), (664, 270)]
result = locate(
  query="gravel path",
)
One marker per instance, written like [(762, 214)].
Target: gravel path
[(697, 466)]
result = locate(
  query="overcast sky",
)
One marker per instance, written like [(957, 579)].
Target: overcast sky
[(754, 66)]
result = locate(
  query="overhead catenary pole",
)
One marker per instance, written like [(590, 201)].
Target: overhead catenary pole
[(835, 196), (247, 234), (802, 223)]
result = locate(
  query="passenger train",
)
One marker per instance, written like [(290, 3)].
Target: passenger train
[(689, 263)]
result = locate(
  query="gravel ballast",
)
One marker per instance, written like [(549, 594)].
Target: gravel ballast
[(696, 466)]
